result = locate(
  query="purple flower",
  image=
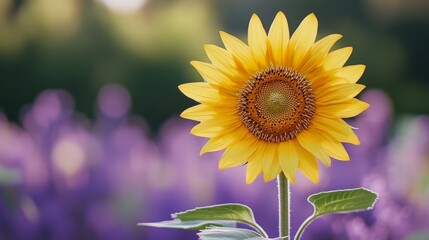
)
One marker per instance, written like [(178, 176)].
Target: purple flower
[(84, 179)]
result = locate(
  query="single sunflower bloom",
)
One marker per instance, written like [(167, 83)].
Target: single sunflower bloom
[(277, 103)]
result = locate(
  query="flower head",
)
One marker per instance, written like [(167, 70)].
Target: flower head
[(277, 103)]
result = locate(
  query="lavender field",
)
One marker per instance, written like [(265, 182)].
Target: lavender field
[(65, 176), (91, 142)]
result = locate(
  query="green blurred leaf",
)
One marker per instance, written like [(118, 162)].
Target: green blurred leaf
[(420, 236), (343, 201), (225, 233), (188, 225), (9, 176)]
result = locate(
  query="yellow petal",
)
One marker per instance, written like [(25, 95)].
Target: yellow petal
[(278, 37), (288, 159), (326, 80), (346, 109), (274, 171), (308, 164), (332, 146), (318, 52), (200, 92), (240, 51), (212, 127), (352, 73), (311, 142), (337, 59), (238, 154), (302, 40), (319, 74), (214, 144), (257, 38), (337, 128), (221, 58), (254, 168), (213, 76), (271, 166), (337, 93), (199, 112), (223, 139), (336, 150)]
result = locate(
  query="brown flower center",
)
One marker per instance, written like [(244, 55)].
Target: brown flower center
[(276, 104)]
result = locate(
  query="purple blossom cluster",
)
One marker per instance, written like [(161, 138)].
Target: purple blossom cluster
[(64, 176)]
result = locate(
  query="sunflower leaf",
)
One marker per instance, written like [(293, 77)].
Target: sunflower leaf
[(223, 212), (343, 201), (225, 233), (223, 215), (188, 225), (339, 201), (234, 212)]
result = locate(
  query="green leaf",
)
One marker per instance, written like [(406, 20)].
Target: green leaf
[(9, 176), (343, 201), (223, 212), (420, 236), (188, 225), (216, 215), (232, 212), (225, 233), (340, 201)]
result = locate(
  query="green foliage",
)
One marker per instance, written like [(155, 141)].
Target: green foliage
[(219, 221), (339, 201), (232, 212), (342, 201), (223, 215), (8, 176), (420, 236), (225, 233), (188, 225), (216, 233)]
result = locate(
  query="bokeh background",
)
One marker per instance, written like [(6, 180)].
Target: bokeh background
[(91, 142)]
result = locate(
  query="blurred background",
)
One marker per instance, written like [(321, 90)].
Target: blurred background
[(91, 142)]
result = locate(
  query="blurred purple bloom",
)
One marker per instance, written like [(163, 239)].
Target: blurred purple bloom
[(67, 177)]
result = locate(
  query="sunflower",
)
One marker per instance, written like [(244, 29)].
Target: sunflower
[(277, 103)]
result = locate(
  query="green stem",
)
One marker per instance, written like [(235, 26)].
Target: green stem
[(303, 227), (283, 187)]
